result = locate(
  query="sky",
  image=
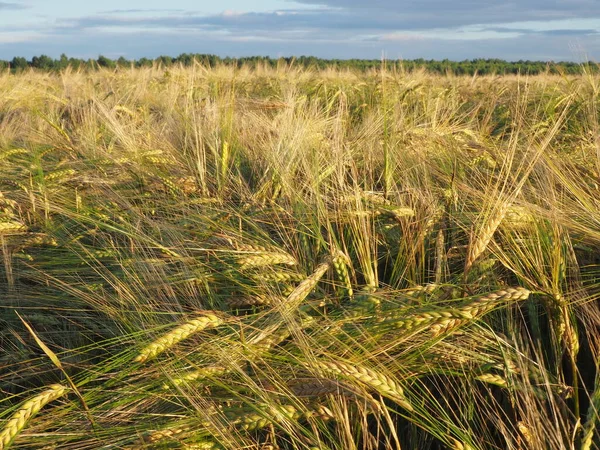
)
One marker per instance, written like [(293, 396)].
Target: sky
[(558, 30)]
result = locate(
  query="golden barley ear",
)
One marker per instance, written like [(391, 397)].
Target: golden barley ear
[(26, 412), (258, 256), (481, 236), (459, 445), (593, 414), (299, 294)]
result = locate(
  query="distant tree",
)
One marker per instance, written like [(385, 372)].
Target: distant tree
[(123, 62), (185, 59), (103, 61), (43, 62), (18, 64), (466, 67), (143, 62), (76, 63), (62, 63), (165, 61)]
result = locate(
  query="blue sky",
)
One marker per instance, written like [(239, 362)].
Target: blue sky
[(457, 29)]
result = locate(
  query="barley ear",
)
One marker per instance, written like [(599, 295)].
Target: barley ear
[(593, 413), (305, 287), (371, 378), (480, 238), (177, 335), (340, 264), (30, 408)]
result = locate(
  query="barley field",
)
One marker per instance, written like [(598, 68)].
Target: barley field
[(292, 258)]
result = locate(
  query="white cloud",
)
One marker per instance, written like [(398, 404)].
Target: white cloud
[(12, 37)]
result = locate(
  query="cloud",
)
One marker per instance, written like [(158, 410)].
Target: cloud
[(311, 28), (15, 37), (342, 28), (141, 11), (428, 14), (94, 42), (9, 6), (551, 32), (358, 22)]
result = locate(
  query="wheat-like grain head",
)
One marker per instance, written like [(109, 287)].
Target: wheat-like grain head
[(173, 337), (371, 378), (30, 408)]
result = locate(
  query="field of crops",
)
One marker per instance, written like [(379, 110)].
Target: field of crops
[(288, 258)]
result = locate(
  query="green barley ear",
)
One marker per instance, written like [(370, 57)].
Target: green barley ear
[(340, 265), (173, 337), (260, 257), (438, 322), (371, 378)]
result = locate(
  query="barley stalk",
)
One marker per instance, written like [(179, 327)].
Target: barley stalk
[(440, 256), (30, 408), (273, 334), (257, 345), (375, 380), (177, 335)]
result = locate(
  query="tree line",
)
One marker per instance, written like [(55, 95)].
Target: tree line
[(466, 67)]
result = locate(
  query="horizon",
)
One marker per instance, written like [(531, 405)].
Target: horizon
[(567, 30), (297, 57)]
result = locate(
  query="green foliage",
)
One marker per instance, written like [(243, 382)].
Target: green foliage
[(466, 67)]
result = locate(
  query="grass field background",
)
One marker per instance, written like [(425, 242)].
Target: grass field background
[(293, 258)]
